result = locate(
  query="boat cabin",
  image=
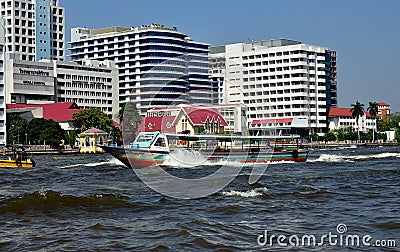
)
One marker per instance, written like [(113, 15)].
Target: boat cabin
[(151, 140)]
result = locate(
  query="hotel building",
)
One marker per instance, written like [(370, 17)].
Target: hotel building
[(158, 66), (92, 84), (285, 83), (34, 28)]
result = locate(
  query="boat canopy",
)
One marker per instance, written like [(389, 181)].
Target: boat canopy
[(223, 138)]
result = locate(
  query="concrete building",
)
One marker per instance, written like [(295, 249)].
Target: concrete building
[(34, 28), (342, 118), (383, 111), (28, 81), (283, 82), (158, 66), (92, 84), (3, 131)]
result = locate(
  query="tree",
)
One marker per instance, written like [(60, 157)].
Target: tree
[(16, 129), (357, 111), (41, 131), (130, 120), (329, 136), (92, 118), (373, 110)]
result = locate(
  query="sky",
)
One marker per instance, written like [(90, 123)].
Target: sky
[(364, 33)]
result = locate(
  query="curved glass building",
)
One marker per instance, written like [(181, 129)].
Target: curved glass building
[(158, 66)]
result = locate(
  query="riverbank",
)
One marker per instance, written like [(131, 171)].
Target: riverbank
[(328, 145)]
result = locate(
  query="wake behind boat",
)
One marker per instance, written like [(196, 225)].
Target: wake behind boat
[(154, 148)]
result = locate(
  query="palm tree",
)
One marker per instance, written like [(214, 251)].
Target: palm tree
[(373, 110), (357, 111)]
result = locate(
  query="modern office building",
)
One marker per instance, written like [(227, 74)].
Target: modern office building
[(3, 131), (34, 28), (92, 84), (158, 66), (284, 83)]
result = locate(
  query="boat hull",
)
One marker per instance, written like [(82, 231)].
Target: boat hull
[(13, 164), (139, 158)]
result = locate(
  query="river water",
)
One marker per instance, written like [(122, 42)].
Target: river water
[(94, 203)]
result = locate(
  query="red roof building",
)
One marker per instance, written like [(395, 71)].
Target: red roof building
[(383, 111), (341, 118), (59, 111)]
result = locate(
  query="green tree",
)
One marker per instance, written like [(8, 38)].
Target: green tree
[(42, 131), (373, 110), (357, 111), (16, 130), (92, 118), (330, 136), (130, 119), (314, 137)]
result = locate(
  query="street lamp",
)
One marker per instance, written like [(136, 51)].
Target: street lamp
[(13, 125), (26, 138)]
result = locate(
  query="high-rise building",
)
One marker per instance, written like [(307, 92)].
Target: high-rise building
[(3, 130), (158, 66), (284, 83), (34, 28)]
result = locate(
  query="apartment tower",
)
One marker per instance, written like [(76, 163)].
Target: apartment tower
[(34, 28), (284, 83)]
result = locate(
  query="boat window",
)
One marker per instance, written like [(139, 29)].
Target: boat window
[(144, 138), (160, 142)]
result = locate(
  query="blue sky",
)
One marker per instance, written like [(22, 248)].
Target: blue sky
[(365, 34)]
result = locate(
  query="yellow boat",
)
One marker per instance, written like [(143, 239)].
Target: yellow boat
[(18, 158)]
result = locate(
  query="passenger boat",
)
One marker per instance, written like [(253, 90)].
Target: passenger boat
[(17, 159), (154, 148)]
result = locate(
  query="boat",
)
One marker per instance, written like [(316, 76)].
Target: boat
[(154, 148), (16, 157)]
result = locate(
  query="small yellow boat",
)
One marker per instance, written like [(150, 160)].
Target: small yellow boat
[(17, 159)]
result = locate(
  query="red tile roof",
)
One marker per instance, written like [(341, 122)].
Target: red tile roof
[(383, 104), (158, 123), (279, 120), (344, 112), (59, 111), (199, 115)]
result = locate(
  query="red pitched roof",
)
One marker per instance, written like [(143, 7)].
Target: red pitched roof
[(199, 115), (279, 120), (344, 112), (159, 123), (59, 111), (383, 104)]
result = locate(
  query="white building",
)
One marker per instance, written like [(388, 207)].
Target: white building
[(93, 84), (28, 81), (284, 83), (3, 131), (158, 66), (34, 28), (342, 118)]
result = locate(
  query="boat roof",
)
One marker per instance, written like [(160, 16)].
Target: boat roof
[(225, 138)]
